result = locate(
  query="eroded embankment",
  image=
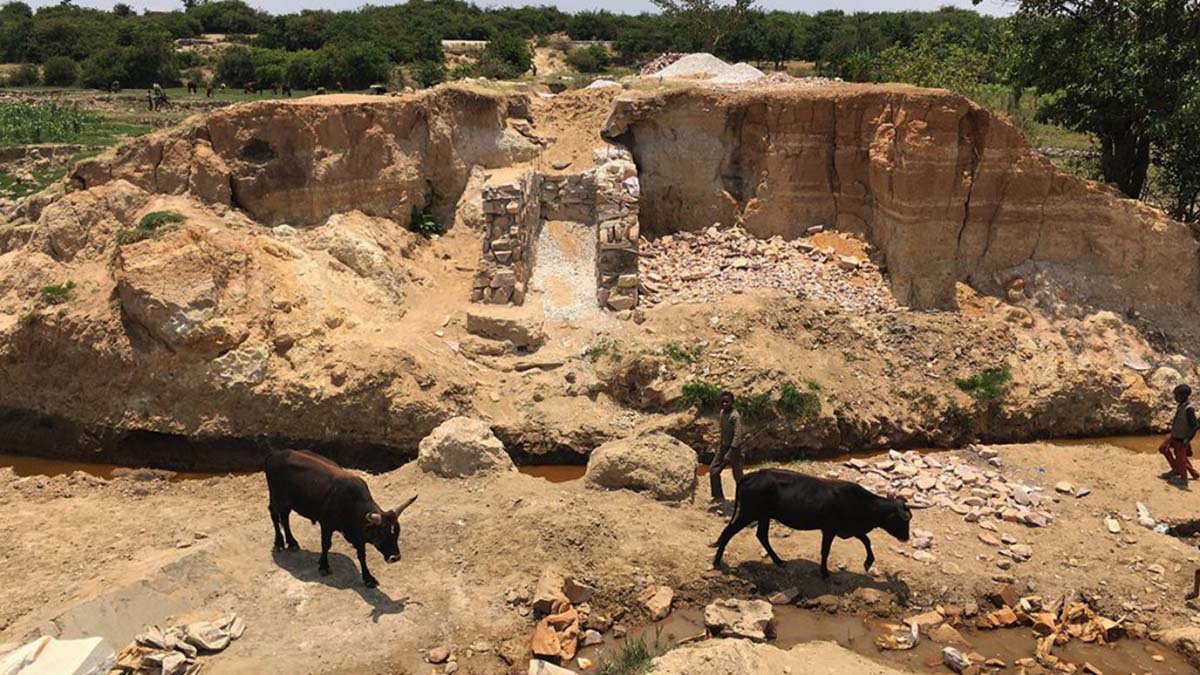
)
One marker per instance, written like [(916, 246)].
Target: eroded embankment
[(291, 304), (947, 191)]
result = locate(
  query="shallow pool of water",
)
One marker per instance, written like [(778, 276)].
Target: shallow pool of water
[(36, 466), (794, 625), (1138, 444)]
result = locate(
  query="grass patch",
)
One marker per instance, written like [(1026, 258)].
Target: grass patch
[(149, 224), (989, 385), (30, 318), (32, 123), (633, 658), (602, 347), (683, 354), (704, 396), (12, 188), (799, 404), (56, 294)]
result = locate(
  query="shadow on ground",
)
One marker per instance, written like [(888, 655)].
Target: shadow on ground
[(805, 575), (346, 576)]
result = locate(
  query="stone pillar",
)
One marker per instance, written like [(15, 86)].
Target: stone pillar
[(512, 215), (617, 229)]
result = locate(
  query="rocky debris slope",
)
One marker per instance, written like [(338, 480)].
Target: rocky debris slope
[(175, 650), (943, 188), (706, 265)]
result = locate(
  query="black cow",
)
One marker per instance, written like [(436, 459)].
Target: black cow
[(325, 493), (835, 507)]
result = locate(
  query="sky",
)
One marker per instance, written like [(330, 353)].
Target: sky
[(999, 7)]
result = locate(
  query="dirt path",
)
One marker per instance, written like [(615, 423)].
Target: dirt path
[(91, 557)]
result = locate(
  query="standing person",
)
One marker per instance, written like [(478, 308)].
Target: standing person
[(729, 453), (1177, 446)]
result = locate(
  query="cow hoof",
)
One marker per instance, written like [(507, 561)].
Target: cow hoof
[(371, 582), (278, 547)]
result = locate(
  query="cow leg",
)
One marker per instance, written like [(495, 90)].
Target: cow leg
[(368, 580), (870, 554), (826, 542), (737, 525), (285, 516), (278, 533), (326, 542), (764, 526)]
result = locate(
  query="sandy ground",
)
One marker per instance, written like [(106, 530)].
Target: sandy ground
[(88, 557)]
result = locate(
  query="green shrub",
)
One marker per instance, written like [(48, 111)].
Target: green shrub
[(754, 406), (56, 294), (60, 71), (593, 59), (704, 396), (428, 73), (989, 385), (956, 419), (423, 222), (506, 57), (799, 404), (30, 318), (604, 346), (149, 225), (677, 352), (25, 75)]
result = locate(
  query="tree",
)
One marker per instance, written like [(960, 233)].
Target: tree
[(592, 59), (506, 57), (1118, 70), (1177, 156), (366, 64), (706, 21), (429, 73), (236, 66), (935, 59), (122, 10), (103, 67), (60, 71)]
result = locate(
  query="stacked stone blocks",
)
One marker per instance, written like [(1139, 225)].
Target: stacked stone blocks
[(512, 213)]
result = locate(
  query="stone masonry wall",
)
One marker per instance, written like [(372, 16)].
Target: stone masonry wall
[(617, 230), (512, 214), (605, 196)]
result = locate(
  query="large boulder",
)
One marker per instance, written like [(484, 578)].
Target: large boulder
[(461, 447), (750, 619), (658, 464), (724, 656), (1186, 641)]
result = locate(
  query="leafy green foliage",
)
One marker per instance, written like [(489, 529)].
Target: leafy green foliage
[(794, 403), (937, 59), (25, 75), (991, 384), (60, 71), (149, 224), (507, 56), (423, 222), (28, 123), (29, 318), (592, 59), (429, 73), (56, 294), (754, 406), (704, 396)]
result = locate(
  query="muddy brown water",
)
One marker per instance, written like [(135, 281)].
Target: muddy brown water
[(794, 625), (35, 466)]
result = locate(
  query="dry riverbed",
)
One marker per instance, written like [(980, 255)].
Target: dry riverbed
[(89, 556)]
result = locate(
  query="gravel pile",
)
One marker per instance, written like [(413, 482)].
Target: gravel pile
[(703, 266), (739, 73), (697, 65)]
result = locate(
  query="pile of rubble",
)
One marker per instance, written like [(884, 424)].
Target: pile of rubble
[(1053, 624), (661, 61), (980, 495), (567, 621), (703, 266), (175, 650)]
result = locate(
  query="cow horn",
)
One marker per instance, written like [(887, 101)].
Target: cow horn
[(374, 518), (405, 505)]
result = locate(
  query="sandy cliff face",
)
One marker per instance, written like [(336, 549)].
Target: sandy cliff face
[(300, 162), (946, 190)]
